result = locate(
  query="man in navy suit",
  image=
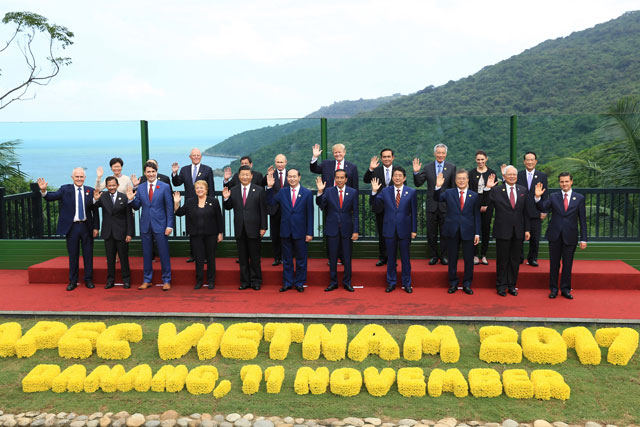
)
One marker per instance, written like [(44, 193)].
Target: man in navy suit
[(295, 204), (327, 167), (436, 211), (156, 221), (340, 203), (529, 178), (78, 222), (567, 211), (462, 225), (399, 204), (280, 176)]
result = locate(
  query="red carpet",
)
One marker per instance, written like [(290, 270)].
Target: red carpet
[(603, 290)]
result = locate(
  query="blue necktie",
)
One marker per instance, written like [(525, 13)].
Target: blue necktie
[(80, 205), (439, 168), (195, 174)]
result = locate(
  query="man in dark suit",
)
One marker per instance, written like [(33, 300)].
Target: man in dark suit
[(296, 227), (529, 178), (280, 177), (399, 204), (510, 227), (117, 229), (327, 167), (156, 222), (256, 177), (384, 173), (340, 203), (188, 176), (248, 202), (78, 222), (436, 211), (461, 226), (567, 211)]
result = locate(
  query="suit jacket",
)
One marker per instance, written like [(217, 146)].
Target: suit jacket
[(214, 223), (474, 178), (508, 219), (343, 220), (276, 185), (466, 220), (66, 194), (428, 174), (257, 179), (378, 173), (252, 217), (327, 169), (297, 221), (117, 219), (157, 215), (538, 176), (403, 219), (205, 173), (564, 225), (161, 177)]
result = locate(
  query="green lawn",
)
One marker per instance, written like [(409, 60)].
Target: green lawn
[(604, 393)]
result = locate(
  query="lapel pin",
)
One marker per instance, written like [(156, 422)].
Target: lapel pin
[(445, 168), (574, 198), (346, 194), (199, 173), (535, 176), (468, 195), (253, 189), (504, 189)]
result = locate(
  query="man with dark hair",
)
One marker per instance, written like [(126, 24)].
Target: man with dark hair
[(78, 222), (231, 182), (143, 179), (400, 207), (529, 178), (436, 211), (384, 173), (340, 203), (117, 229), (248, 202), (296, 227), (157, 221), (567, 211)]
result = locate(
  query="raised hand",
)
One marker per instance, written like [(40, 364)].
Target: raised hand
[(440, 180), (42, 184), (134, 180), (374, 163), (177, 197), (96, 194), (320, 185), (270, 170), (130, 194), (491, 181), (99, 172), (375, 184), (174, 167), (316, 151), (539, 189), (503, 168), (227, 173), (270, 179), (226, 192), (417, 166)]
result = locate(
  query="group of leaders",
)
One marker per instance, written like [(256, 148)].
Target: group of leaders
[(460, 205)]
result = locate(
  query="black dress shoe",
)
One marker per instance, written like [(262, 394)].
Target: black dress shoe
[(433, 261), (256, 287), (567, 295), (533, 263), (191, 259), (331, 288), (89, 284), (211, 285), (244, 286), (502, 293), (300, 288), (349, 288), (444, 261), (513, 292), (389, 288), (553, 294), (467, 290), (276, 262), (198, 285), (127, 285), (283, 289), (109, 285), (408, 289), (381, 262), (237, 261), (452, 289), (72, 286)]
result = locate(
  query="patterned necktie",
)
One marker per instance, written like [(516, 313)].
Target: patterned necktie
[(439, 168), (80, 205), (566, 202), (398, 198), (150, 192), (195, 174), (461, 200), (281, 180), (293, 197), (341, 199), (244, 196), (512, 199)]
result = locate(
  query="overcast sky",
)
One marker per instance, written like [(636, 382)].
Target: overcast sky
[(213, 59)]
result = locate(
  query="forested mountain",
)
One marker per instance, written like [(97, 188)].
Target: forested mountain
[(557, 89), (246, 142)]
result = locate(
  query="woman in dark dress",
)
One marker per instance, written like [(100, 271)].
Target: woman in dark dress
[(205, 225), (477, 180)]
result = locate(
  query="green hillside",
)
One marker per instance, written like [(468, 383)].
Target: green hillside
[(557, 90)]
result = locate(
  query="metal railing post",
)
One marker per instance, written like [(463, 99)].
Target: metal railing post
[(513, 140), (144, 141), (323, 138), (3, 214), (36, 212)]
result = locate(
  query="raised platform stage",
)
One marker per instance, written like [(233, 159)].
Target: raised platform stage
[(604, 291)]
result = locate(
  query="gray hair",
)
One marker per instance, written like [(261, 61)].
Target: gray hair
[(510, 166), (440, 146)]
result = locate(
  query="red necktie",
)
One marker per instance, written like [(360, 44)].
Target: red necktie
[(512, 199), (293, 197), (338, 166), (281, 180), (461, 200), (398, 198), (566, 202), (341, 199), (150, 192), (244, 196)]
